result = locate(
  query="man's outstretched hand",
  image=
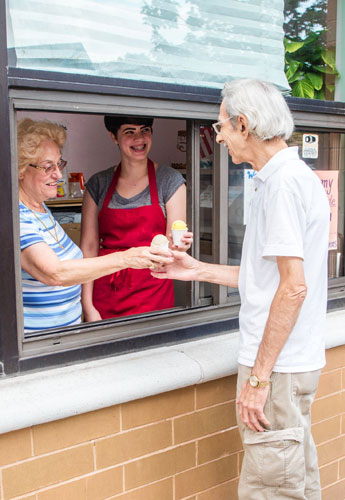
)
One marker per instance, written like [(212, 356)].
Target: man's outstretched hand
[(184, 268)]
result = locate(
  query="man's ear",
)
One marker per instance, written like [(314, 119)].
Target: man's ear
[(243, 125)]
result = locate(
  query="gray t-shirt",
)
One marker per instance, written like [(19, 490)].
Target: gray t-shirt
[(168, 181)]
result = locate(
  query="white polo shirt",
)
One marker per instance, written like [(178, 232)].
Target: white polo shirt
[(289, 216)]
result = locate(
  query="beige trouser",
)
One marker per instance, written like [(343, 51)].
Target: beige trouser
[(281, 463)]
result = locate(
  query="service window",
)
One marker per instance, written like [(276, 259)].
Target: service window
[(187, 146), (324, 153)]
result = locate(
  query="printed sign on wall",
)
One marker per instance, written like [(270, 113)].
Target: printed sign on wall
[(310, 146), (329, 179)]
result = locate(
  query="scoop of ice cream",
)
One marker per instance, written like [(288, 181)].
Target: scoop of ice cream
[(160, 240), (179, 224)]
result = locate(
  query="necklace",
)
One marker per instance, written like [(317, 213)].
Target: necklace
[(54, 226)]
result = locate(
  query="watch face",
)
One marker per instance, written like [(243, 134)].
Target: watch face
[(253, 380)]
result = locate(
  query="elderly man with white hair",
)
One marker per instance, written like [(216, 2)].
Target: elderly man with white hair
[(282, 281)]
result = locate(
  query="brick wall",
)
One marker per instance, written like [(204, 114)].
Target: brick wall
[(178, 445)]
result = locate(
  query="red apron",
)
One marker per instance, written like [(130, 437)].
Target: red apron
[(131, 291)]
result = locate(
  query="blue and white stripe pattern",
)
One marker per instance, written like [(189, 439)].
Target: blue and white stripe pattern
[(47, 306)]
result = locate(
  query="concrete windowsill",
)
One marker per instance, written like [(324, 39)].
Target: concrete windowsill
[(32, 399)]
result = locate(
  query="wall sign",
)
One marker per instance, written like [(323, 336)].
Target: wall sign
[(310, 146), (329, 180)]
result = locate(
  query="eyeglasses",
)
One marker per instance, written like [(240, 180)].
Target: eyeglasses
[(217, 127), (50, 166)]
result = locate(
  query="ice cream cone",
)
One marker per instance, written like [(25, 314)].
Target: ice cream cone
[(160, 241)]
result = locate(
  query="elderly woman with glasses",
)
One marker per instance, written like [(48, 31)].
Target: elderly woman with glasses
[(52, 265)]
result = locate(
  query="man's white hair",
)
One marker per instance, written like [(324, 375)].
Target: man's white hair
[(264, 106)]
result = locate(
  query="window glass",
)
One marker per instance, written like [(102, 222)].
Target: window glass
[(310, 44), (324, 153), (172, 41), (239, 180), (206, 201)]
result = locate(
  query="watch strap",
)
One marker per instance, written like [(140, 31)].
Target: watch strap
[(257, 383)]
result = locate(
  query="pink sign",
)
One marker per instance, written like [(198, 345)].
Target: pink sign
[(329, 179)]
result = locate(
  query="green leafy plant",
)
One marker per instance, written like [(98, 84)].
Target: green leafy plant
[(306, 64)]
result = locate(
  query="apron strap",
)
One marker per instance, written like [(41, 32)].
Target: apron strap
[(152, 182), (111, 189)]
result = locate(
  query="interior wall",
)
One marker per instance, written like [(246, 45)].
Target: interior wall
[(89, 148)]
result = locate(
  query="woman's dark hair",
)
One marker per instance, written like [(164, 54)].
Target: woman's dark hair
[(113, 123)]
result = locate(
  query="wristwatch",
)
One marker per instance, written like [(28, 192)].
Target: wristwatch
[(255, 382)]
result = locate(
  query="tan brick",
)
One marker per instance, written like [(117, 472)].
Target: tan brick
[(155, 408), (133, 444), (343, 424), (342, 469), (31, 497), (205, 476), (328, 474), (15, 446), (225, 491), (203, 422), (159, 466), (326, 430), (329, 383), (75, 490), (216, 391), (334, 358), (74, 430), (219, 445), (328, 407), (163, 490), (45, 471), (334, 492), (95, 487), (343, 378), (332, 450), (104, 484)]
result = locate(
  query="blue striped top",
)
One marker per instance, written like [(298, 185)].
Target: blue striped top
[(47, 306)]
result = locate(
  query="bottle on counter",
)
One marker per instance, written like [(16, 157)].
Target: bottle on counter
[(76, 185), (62, 186)]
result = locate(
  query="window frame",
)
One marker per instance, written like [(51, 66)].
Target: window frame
[(114, 331), (193, 103)]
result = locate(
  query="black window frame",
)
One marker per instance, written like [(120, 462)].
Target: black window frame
[(204, 323)]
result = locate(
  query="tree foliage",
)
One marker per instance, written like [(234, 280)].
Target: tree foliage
[(307, 58), (301, 18)]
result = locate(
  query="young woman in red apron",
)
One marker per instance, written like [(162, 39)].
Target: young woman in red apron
[(114, 229), (131, 291)]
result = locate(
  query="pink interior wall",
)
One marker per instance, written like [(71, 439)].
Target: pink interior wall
[(89, 148)]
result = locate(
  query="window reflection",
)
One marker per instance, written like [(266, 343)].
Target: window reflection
[(310, 46), (174, 41), (326, 156)]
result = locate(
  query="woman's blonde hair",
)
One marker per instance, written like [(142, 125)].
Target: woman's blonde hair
[(30, 135)]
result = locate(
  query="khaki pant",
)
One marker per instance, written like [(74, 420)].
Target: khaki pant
[(281, 463)]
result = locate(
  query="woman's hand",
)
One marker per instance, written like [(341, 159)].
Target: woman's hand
[(145, 257), (186, 242)]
